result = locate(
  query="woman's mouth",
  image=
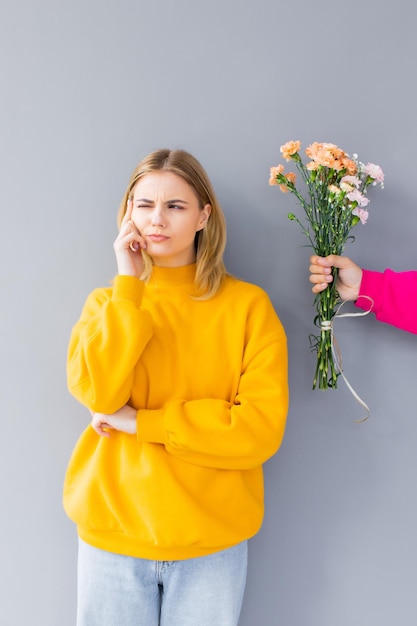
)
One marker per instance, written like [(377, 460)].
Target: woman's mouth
[(157, 238)]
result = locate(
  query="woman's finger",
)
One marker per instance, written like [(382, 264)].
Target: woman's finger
[(138, 241), (100, 425), (320, 278), (319, 287), (130, 237), (319, 269), (128, 215)]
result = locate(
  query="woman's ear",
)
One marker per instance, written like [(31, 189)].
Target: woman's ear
[(204, 215)]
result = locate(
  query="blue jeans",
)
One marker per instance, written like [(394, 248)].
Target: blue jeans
[(117, 590)]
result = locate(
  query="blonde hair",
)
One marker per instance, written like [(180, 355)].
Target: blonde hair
[(210, 242)]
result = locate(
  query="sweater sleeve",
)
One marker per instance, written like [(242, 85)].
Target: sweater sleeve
[(394, 296), (106, 343), (234, 435)]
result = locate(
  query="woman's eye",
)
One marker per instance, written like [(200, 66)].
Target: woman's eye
[(175, 206)]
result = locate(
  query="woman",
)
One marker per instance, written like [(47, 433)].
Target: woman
[(184, 369), (393, 294)]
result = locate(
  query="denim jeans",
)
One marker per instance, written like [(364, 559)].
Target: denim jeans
[(117, 590)]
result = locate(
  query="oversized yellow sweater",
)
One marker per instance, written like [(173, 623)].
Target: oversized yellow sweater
[(209, 382)]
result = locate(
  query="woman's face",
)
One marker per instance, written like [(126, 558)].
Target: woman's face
[(166, 211)]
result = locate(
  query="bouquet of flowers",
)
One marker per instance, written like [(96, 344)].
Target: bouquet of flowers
[(335, 202)]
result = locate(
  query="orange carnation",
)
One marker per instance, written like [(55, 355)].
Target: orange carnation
[(350, 166), (328, 155), (289, 149), (314, 149), (278, 169), (291, 178)]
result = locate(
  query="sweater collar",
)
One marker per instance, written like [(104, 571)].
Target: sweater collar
[(183, 275)]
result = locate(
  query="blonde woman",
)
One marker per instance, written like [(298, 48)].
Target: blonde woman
[(184, 369)]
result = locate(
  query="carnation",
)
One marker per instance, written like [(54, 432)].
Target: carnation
[(374, 171), (289, 149), (357, 196), (363, 214), (351, 180)]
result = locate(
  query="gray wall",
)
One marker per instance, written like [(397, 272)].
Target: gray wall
[(88, 88)]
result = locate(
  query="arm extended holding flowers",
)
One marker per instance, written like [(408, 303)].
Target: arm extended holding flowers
[(394, 294)]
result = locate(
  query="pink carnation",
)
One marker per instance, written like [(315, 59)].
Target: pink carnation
[(363, 214), (374, 171), (351, 180), (357, 196)]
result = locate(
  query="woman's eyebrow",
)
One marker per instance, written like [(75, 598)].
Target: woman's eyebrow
[(167, 202), (173, 201)]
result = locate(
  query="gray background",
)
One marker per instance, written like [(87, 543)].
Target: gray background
[(89, 88)]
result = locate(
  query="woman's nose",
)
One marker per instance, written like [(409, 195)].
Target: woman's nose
[(157, 217)]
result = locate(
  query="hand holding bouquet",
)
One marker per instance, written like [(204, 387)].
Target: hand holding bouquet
[(335, 201)]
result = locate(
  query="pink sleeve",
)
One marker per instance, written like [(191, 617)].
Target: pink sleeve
[(394, 296)]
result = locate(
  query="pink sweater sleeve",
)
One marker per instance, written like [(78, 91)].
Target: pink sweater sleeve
[(394, 296)]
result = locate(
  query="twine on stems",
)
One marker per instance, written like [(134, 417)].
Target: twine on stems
[(327, 326)]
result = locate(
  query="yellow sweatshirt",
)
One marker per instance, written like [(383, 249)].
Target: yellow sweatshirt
[(209, 382)]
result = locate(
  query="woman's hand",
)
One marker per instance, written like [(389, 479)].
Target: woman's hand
[(349, 276), (128, 246), (124, 420)]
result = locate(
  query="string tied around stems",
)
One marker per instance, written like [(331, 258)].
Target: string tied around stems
[(327, 326)]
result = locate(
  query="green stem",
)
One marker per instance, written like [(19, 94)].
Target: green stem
[(326, 375)]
